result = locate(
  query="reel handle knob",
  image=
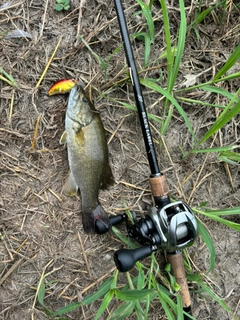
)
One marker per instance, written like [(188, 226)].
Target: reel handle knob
[(101, 228), (125, 259)]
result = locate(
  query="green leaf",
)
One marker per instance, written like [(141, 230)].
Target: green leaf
[(124, 238), (228, 77), (147, 45), (230, 224), (165, 93), (107, 299), (7, 78), (217, 149), (68, 308), (170, 55), (207, 290), (133, 294), (122, 312), (208, 240), (66, 7), (58, 7), (99, 59), (234, 57), (179, 308), (141, 279), (130, 107), (105, 286), (211, 88), (149, 19), (41, 293), (180, 44), (224, 212), (223, 119), (165, 302), (200, 17), (229, 157)]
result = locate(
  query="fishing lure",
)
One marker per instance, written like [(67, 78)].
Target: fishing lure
[(62, 86)]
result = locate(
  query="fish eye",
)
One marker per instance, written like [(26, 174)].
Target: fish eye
[(84, 99)]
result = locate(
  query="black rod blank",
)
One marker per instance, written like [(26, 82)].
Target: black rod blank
[(152, 159)]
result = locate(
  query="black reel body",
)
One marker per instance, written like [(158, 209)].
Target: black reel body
[(170, 228)]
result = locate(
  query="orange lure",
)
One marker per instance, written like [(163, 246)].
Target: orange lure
[(62, 86)]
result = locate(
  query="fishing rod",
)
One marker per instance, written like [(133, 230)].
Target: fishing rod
[(168, 225)]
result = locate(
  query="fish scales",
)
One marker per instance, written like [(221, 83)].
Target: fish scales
[(87, 157)]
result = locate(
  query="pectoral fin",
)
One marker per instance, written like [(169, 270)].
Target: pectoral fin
[(63, 139), (70, 188)]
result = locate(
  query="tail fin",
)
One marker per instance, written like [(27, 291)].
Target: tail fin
[(89, 218)]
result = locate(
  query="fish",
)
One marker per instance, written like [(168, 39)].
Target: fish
[(62, 86), (87, 157)]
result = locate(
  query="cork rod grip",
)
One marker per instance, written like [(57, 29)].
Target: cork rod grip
[(159, 186), (176, 261)]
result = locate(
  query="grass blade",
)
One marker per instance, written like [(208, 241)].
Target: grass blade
[(214, 296), (200, 17), (164, 300), (217, 90), (179, 308), (234, 57), (217, 149), (230, 224), (129, 295), (68, 308), (229, 157), (133, 108), (207, 239), (147, 13), (107, 299), (41, 292), (147, 44), (224, 212), (221, 121), (7, 78), (99, 59), (165, 93), (105, 286), (167, 34), (180, 45), (123, 312)]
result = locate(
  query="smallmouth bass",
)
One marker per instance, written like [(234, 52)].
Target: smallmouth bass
[(87, 157)]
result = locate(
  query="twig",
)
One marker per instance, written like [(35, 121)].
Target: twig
[(113, 134), (13, 267), (43, 21), (38, 287), (84, 255), (35, 132), (79, 21), (48, 64), (67, 286), (11, 107), (98, 280)]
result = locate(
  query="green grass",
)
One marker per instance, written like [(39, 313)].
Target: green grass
[(140, 291)]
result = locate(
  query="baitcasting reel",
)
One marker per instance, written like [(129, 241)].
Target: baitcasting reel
[(170, 228)]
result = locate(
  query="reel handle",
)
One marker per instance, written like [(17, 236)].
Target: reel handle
[(125, 259), (101, 228)]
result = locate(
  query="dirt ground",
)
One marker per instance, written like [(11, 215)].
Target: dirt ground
[(41, 230)]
